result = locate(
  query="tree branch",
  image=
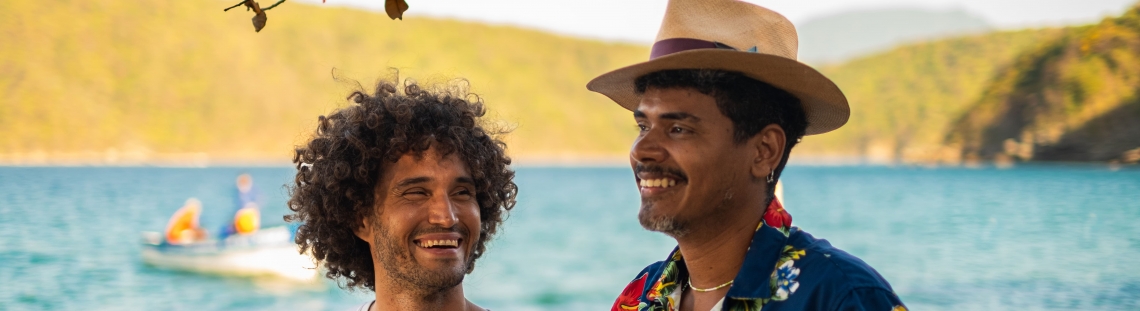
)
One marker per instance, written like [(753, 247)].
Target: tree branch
[(272, 6), (236, 5)]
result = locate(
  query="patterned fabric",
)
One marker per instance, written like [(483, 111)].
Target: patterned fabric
[(784, 268)]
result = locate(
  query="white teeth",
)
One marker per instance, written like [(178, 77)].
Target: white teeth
[(434, 243), (662, 182)]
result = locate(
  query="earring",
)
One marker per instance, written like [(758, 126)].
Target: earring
[(771, 176)]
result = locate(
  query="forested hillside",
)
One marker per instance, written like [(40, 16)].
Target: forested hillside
[(139, 80), (105, 82), (903, 101), (1076, 98)]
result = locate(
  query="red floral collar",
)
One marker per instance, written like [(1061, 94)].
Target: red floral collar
[(777, 217)]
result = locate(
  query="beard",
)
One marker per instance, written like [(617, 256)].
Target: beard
[(676, 227), (407, 273), (667, 224)]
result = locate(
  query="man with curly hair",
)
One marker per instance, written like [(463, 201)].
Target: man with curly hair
[(400, 193)]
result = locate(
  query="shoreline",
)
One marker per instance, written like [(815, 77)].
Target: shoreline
[(202, 160), (562, 160), (112, 158)]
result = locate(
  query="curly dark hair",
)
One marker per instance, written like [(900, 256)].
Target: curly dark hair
[(339, 168)]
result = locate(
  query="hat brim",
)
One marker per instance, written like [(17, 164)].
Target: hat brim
[(824, 104)]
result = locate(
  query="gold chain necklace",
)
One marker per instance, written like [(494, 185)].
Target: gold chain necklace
[(708, 289)]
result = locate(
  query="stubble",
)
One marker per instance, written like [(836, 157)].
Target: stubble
[(408, 273)]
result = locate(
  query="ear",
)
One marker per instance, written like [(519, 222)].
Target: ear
[(769, 146), (364, 231)]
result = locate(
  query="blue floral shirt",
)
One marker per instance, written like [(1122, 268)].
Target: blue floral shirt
[(784, 269)]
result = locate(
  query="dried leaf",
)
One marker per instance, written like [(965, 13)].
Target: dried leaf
[(259, 17), (395, 8), (259, 21)]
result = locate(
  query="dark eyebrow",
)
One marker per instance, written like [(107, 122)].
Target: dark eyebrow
[(465, 180), (670, 116), (412, 181), (680, 116)]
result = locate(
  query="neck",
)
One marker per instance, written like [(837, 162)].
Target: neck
[(714, 250), (391, 296)]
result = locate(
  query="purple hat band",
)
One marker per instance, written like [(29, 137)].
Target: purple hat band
[(674, 45)]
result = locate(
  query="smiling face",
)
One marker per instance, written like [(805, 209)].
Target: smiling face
[(426, 222), (688, 167)]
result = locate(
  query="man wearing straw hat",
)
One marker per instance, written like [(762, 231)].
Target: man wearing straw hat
[(720, 104)]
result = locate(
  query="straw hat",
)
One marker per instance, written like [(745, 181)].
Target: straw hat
[(735, 36)]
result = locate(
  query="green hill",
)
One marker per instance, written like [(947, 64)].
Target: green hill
[(1076, 98), (904, 100), (145, 81), (140, 82), (1068, 94)]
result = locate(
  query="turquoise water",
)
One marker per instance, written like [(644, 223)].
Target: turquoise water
[(1027, 238)]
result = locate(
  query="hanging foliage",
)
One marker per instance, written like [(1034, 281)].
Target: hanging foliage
[(394, 8)]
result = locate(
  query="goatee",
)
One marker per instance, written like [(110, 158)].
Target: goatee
[(666, 224)]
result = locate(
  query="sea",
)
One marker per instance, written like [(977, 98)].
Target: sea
[(1030, 237)]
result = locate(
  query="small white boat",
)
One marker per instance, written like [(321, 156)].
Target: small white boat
[(269, 251)]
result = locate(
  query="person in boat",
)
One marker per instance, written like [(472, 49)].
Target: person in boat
[(399, 193), (719, 105), (247, 217), (183, 226)]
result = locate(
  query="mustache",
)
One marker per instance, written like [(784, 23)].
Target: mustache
[(659, 169), (458, 228)]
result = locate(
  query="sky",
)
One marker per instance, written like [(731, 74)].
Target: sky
[(637, 20)]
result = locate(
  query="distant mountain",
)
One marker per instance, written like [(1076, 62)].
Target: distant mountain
[(1076, 98), (840, 37)]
